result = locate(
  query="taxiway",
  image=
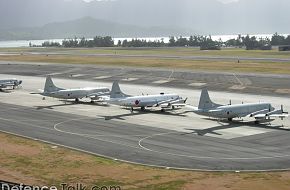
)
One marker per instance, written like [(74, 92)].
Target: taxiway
[(177, 139)]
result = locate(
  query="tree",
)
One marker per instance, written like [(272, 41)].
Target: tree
[(278, 39), (171, 41), (119, 43), (181, 42), (287, 40)]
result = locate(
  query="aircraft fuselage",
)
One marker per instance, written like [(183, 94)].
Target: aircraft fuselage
[(76, 93), (144, 101), (233, 111)]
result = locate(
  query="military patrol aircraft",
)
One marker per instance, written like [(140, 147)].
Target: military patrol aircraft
[(10, 83), (51, 90), (261, 112), (163, 101)]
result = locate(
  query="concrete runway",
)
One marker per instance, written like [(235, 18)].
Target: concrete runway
[(175, 139), (198, 58), (261, 84)]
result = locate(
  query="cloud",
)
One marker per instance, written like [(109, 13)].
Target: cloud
[(88, 1), (228, 1)]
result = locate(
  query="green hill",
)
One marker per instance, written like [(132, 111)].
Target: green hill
[(89, 27)]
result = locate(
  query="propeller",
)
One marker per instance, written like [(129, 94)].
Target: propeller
[(185, 100), (282, 109), (15, 83), (230, 103)]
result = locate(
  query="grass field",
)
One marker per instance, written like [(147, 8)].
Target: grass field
[(209, 65), (36, 163), (231, 52)]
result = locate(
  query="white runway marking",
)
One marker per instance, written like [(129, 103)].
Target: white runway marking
[(201, 157), (102, 77), (238, 79), (78, 75), (130, 79), (161, 81), (56, 127), (53, 74), (197, 84), (237, 87)]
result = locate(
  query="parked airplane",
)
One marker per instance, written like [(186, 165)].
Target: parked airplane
[(261, 112), (93, 93), (9, 83), (164, 101)]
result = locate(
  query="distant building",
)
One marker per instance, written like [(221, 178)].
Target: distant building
[(284, 48), (266, 47), (210, 47)]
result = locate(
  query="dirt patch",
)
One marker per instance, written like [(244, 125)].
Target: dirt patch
[(283, 91), (16, 149), (51, 165), (17, 177)]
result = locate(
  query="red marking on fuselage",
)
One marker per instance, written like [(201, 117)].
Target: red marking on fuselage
[(137, 102)]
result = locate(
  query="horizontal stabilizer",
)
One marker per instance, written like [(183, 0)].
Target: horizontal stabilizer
[(193, 108)]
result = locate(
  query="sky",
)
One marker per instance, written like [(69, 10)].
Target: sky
[(228, 1), (202, 16)]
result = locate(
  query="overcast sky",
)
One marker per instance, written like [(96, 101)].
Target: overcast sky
[(206, 16)]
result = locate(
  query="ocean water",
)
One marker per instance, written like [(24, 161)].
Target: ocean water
[(25, 43)]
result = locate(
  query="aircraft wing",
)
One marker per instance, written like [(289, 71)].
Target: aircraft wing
[(168, 103), (2, 86), (6, 84), (272, 114), (96, 95), (259, 113)]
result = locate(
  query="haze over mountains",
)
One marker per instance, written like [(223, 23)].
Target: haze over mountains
[(38, 19)]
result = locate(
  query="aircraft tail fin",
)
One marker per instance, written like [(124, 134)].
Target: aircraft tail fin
[(116, 91), (205, 101), (49, 85)]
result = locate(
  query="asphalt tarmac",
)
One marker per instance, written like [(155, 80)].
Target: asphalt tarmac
[(177, 139), (261, 84)]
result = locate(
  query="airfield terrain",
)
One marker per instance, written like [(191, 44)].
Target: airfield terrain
[(177, 139)]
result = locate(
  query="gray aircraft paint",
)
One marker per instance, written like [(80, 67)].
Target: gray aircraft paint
[(52, 91), (10, 83), (259, 111), (119, 98)]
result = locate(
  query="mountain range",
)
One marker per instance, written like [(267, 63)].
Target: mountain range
[(89, 27), (22, 19)]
